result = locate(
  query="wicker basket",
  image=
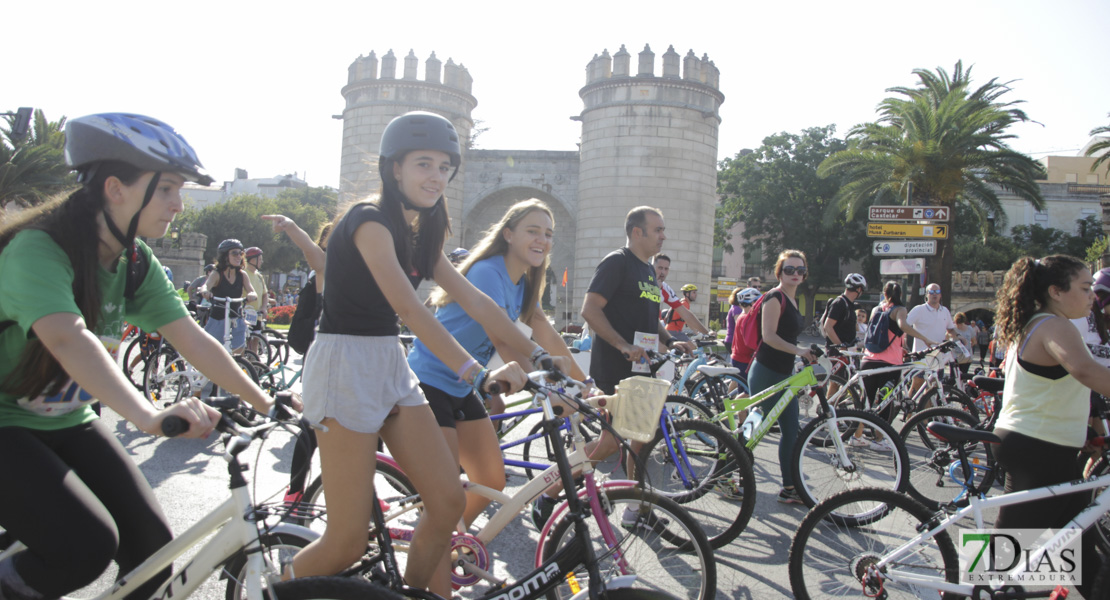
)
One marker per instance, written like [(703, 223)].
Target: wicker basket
[(639, 403)]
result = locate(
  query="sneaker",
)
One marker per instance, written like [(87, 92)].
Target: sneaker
[(541, 511), (790, 496), (883, 445), (859, 442), (729, 490), (632, 520)]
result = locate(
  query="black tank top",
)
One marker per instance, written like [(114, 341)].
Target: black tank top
[(225, 289), (353, 302), (789, 327)]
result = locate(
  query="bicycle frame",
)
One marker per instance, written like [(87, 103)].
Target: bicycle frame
[(234, 529), (1083, 521)]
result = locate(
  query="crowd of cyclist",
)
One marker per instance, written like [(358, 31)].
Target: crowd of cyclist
[(74, 270)]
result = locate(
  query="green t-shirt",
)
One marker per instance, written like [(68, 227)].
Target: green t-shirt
[(36, 280)]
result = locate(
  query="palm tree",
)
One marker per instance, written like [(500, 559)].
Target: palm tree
[(1101, 146), (938, 144), (33, 168)]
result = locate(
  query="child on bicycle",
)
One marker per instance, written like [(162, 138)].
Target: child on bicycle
[(508, 265), (357, 384), (1046, 398), (73, 272)]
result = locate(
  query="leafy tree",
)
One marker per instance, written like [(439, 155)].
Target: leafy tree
[(324, 198), (241, 218), (1102, 147), (776, 193), (33, 169), (941, 143)]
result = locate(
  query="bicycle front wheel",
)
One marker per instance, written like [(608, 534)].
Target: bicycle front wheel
[(830, 559), (276, 548), (657, 541), (702, 467), (875, 453), (936, 476)]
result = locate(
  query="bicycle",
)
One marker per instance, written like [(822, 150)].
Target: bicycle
[(664, 549), (238, 542), (169, 377), (825, 457), (901, 548)]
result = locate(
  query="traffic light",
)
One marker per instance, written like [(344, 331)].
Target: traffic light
[(22, 122)]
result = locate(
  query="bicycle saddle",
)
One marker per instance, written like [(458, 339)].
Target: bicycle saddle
[(711, 371), (992, 385), (951, 433)]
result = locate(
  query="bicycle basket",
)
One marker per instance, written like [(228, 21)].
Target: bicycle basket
[(638, 406)]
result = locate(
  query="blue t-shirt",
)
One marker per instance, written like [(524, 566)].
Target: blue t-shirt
[(491, 277)]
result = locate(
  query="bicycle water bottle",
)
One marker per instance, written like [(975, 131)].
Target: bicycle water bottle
[(755, 417)]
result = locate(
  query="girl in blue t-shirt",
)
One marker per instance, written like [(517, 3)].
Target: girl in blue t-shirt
[(357, 385), (509, 265)]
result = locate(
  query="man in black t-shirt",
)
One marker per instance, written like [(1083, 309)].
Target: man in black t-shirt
[(623, 301), (840, 324)]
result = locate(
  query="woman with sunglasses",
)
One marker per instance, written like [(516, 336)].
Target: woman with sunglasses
[(228, 280), (781, 323)]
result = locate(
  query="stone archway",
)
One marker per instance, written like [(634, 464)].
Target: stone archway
[(487, 210)]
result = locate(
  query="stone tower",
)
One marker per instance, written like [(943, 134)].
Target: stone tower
[(649, 139), (374, 97)]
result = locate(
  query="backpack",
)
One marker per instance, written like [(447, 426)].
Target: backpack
[(750, 329), (302, 327), (878, 332), (828, 309)]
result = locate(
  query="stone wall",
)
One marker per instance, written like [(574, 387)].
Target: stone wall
[(185, 256)]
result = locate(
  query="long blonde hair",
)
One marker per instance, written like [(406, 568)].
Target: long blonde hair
[(495, 244)]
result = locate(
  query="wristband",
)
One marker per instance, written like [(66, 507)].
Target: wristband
[(537, 353), (465, 368), (479, 379), (670, 342), (542, 360)]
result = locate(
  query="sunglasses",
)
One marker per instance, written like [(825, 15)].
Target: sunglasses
[(236, 253), (792, 270), (933, 292)]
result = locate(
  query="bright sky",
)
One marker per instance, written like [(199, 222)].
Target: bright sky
[(255, 84)]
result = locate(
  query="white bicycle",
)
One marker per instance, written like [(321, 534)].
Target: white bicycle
[(245, 547)]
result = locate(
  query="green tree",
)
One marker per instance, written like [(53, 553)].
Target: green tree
[(776, 193), (1101, 147), (324, 198), (33, 169), (942, 143), (241, 218)]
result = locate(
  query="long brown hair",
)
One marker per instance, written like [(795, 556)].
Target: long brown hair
[(493, 243), (1025, 291), (71, 221)]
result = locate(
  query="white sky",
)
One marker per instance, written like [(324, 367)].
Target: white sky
[(255, 84)]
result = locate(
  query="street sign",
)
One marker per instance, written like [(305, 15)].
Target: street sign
[(908, 213), (904, 248), (907, 230), (905, 266)]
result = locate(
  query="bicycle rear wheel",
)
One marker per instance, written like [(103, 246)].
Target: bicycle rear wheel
[(818, 470), (663, 547), (331, 588), (935, 474), (828, 558), (702, 467), (391, 485)]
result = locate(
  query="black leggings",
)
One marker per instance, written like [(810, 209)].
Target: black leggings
[(77, 500), (873, 382), (1033, 463)]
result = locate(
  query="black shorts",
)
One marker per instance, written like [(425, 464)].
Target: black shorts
[(450, 409)]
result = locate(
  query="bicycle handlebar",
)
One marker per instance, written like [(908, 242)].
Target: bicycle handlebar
[(173, 425)]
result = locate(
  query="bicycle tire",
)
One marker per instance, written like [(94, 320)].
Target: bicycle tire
[(264, 353), (684, 407), (391, 485), (276, 548), (931, 458), (134, 360), (854, 398), (331, 588), (166, 377), (953, 398), (815, 453), (530, 455), (826, 554), (1102, 525), (677, 560), (1100, 590), (716, 466)]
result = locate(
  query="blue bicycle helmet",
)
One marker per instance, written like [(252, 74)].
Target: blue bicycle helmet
[(169, 273), (146, 143)]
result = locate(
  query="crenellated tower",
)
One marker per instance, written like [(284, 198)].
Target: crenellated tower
[(649, 138), (374, 95)]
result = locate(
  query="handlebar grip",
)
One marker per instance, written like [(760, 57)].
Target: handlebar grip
[(174, 425), (494, 387)]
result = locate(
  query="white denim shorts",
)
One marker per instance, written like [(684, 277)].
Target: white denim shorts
[(357, 380)]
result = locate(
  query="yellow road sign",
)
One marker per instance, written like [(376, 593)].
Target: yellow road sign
[(907, 230)]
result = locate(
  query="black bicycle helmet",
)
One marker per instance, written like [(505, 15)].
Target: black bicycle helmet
[(209, 268), (228, 245), (417, 130)]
